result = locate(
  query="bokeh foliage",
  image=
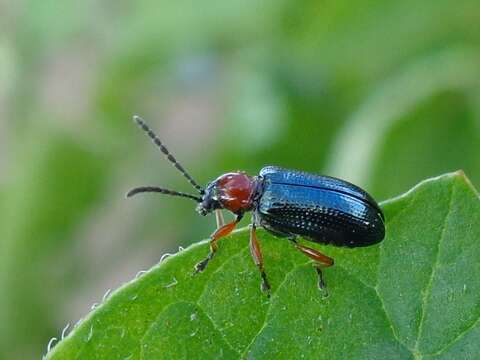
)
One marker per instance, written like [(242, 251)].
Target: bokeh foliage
[(383, 94)]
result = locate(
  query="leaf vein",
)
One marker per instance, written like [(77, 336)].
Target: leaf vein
[(428, 289), (459, 336), (218, 329), (142, 355), (407, 206), (267, 314), (238, 254), (389, 320)]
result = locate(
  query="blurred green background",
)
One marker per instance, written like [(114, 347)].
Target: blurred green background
[(381, 93)]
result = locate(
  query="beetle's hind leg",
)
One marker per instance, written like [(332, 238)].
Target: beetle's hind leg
[(321, 261), (256, 253)]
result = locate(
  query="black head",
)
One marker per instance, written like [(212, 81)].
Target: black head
[(210, 200)]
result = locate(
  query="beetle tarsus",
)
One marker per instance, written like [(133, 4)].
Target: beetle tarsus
[(202, 264), (200, 267), (321, 281), (322, 286), (265, 284)]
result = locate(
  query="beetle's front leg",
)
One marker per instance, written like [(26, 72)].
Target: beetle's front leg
[(257, 256), (217, 235)]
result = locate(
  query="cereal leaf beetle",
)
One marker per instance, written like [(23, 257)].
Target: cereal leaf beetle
[(287, 203)]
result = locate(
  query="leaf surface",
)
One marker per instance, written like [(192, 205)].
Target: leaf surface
[(415, 296)]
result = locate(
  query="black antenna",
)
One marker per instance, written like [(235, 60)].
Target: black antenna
[(156, 189), (164, 150)]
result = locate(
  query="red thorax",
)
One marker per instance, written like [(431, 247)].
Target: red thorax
[(235, 191)]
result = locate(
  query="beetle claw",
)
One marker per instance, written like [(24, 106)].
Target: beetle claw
[(322, 286), (200, 266), (265, 286)]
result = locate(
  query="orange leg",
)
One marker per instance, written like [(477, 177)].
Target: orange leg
[(320, 261), (256, 253), (217, 235)]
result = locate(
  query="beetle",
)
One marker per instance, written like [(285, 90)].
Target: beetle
[(287, 203)]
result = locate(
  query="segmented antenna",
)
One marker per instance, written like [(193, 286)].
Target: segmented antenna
[(141, 123), (149, 189)]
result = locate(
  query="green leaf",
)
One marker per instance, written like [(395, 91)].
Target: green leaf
[(415, 296)]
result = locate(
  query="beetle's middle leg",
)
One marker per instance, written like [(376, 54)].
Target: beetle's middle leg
[(256, 253), (321, 261), (217, 235)]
